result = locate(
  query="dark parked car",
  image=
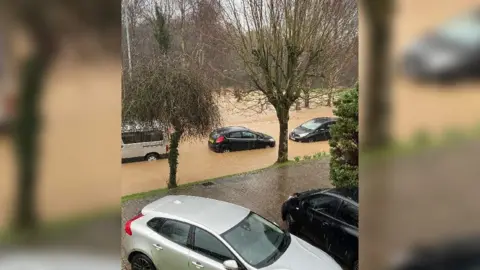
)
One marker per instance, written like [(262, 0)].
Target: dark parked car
[(228, 139), (446, 54), (329, 219), (317, 129), (457, 254)]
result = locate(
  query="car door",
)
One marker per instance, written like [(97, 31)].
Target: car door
[(235, 141), (209, 252), (250, 140), (132, 146), (345, 234), (320, 215), (169, 243), (329, 125)]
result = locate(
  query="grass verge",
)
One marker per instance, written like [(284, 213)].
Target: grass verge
[(162, 191)]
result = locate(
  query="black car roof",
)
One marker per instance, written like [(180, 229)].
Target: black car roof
[(350, 193), (230, 129), (324, 119)]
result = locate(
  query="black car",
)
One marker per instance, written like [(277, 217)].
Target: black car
[(456, 254), (228, 139), (446, 54), (317, 129), (328, 218)]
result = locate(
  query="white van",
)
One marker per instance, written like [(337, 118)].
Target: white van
[(149, 145)]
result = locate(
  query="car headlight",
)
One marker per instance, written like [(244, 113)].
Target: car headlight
[(271, 140), (302, 135)]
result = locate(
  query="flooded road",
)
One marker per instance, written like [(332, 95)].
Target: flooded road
[(262, 192), (197, 162)]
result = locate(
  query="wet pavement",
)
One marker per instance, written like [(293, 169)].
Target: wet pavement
[(263, 192)]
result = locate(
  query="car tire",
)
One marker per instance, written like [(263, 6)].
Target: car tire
[(142, 262), (225, 150), (355, 265), (152, 157), (310, 140)]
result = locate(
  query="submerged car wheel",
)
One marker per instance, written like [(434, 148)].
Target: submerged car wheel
[(151, 157), (142, 262), (225, 150)]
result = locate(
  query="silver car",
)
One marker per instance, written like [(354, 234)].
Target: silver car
[(186, 232)]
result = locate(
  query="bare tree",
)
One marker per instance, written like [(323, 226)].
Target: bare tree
[(279, 42), (167, 90)]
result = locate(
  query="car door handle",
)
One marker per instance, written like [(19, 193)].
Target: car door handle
[(197, 264), (158, 247)]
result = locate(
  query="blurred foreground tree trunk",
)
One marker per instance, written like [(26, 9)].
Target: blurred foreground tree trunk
[(376, 134), (32, 75), (379, 16)]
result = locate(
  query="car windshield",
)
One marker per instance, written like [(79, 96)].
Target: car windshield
[(258, 241), (311, 125), (463, 30)]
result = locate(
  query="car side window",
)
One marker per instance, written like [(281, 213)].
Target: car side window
[(248, 135), (209, 246), (348, 213), (175, 231), (155, 224), (325, 204), (235, 135)]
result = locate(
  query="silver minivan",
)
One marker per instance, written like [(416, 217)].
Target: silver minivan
[(149, 145)]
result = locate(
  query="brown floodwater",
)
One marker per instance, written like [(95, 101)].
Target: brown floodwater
[(197, 162)]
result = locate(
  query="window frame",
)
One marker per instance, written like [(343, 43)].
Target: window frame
[(249, 138), (188, 244), (338, 211), (234, 257), (230, 135), (321, 212)]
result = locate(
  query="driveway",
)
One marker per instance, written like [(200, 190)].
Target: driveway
[(262, 192)]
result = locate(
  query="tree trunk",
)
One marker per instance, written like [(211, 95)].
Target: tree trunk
[(306, 98), (329, 99), (173, 158), (297, 105), (283, 117), (376, 130), (26, 138)]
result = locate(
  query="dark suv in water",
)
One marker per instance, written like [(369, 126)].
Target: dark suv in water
[(228, 139)]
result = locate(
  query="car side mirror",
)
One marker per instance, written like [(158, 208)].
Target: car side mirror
[(230, 265)]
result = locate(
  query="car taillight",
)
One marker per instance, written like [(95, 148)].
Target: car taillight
[(128, 225), (220, 139), (166, 148)]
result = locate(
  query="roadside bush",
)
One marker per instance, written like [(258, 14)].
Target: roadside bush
[(297, 159), (344, 140), (307, 157)]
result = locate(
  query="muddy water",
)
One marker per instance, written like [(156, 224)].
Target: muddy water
[(430, 107), (197, 162)]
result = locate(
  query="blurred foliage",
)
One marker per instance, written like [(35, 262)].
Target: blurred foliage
[(344, 141)]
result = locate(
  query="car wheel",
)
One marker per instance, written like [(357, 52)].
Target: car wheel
[(142, 262), (225, 150), (151, 157), (292, 226), (311, 140)]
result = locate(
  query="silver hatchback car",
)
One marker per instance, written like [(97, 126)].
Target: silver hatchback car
[(186, 232)]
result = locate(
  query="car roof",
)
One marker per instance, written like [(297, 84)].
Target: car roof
[(216, 216), (324, 119), (230, 129), (347, 193)]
